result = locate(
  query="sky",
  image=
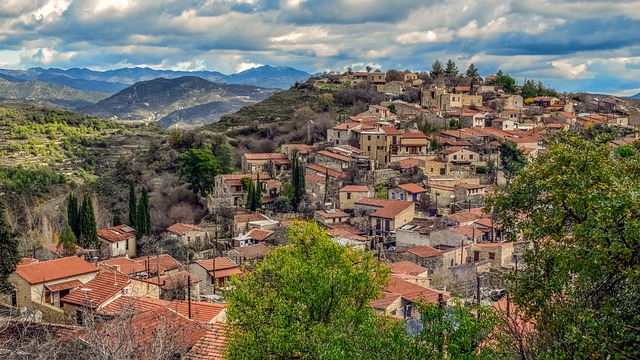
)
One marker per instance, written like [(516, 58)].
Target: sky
[(569, 45)]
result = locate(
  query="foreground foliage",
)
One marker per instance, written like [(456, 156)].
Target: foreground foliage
[(579, 204)]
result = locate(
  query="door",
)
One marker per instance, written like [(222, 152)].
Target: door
[(476, 256)]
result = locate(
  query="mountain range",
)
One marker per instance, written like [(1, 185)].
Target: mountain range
[(112, 81), (188, 100)]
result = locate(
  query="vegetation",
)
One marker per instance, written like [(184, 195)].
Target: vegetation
[(133, 211), (35, 181), (512, 159), (298, 181), (8, 252), (68, 241), (143, 220), (578, 205), (73, 215), (88, 226), (199, 168)]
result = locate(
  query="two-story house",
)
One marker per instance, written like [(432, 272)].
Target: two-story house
[(349, 194), (117, 241), (407, 192), (188, 234), (385, 221)]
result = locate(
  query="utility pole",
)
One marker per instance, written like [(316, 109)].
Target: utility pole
[(478, 292)]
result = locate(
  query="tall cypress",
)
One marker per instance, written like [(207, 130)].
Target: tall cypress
[(73, 214), (8, 252), (297, 180), (258, 194), (88, 227), (144, 214), (326, 185), (133, 212)]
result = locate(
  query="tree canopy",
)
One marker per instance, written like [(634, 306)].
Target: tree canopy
[(451, 69), (8, 252), (436, 69), (579, 205), (199, 168)]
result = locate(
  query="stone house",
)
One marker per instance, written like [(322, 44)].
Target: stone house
[(413, 143), (500, 254), (434, 259), (46, 282), (433, 168), (331, 216), (188, 234), (333, 161), (214, 272), (385, 221), (303, 151), (248, 254), (349, 194), (407, 192), (374, 143), (254, 236), (243, 223), (228, 187), (117, 241), (459, 155), (257, 163)]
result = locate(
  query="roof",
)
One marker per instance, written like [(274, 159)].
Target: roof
[(454, 149), (387, 299), (245, 218), (334, 155), (221, 263), (314, 179), (159, 263), (407, 267), (103, 287), (180, 228), (134, 304), (211, 346), (425, 251), (65, 285), (174, 280), (127, 266), (44, 271), (373, 202), (260, 234), (392, 209), (467, 215), (412, 292), (117, 233), (412, 188), (471, 186), (344, 233), (323, 170), (331, 213), (354, 188), (470, 231), (414, 135), (302, 149), (252, 252), (265, 156), (497, 244), (345, 126), (202, 312), (390, 130), (406, 163), (440, 187)]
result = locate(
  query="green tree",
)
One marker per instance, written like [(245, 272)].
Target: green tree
[(473, 74), (225, 158), (436, 69), (578, 204), (529, 89), (8, 251), (68, 241), (307, 300), (73, 214), (133, 211), (116, 220), (512, 159), (394, 75), (88, 227), (199, 168), (297, 180), (144, 214), (507, 83), (258, 194), (451, 69)]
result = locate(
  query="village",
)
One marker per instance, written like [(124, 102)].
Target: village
[(405, 181)]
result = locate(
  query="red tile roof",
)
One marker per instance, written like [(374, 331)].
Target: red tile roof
[(393, 209), (211, 346), (260, 234), (117, 233), (467, 216), (335, 156), (252, 252), (407, 267), (323, 170), (412, 292), (103, 287), (44, 271), (406, 163), (202, 312), (181, 229), (314, 179), (245, 218), (221, 263), (161, 263), (354, 188), (335, 213), (424, 251), (127, 266), (412, 188), (373, 202), (390, 130), (174, 280), (386, 299), (265, 156), (414, 135), (132, 304), (346, 234), (65, 285)]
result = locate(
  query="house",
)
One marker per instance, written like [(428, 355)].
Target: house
[(440, 196), (436, 259), (436, 167), (349, 194), (254, 236), (413, 143), (243, 223), (95, 294), (117, 241), (214, 272), (333, 161), (161, 264), (504, 124), (499, 254), (250, 253), (374, 143), (126, 266), (385, 221), (187, 233), (348, 238), (407, 192), (341, 133), (303, 151), (408, 268), (396, 87), (228, 187), (459, 155), (399, 298), (174, 286), (331, 216), (46, 282), (273, 163), (468, 194), (315, 169)]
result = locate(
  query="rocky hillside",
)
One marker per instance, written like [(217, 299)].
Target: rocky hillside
[(189, 100), (35, 92)]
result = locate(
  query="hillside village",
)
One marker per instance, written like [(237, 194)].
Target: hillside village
[(404, 180)]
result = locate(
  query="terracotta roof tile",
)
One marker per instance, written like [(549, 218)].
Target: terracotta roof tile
[(252, 252), (221, 263), (117, 233), (335, 213), (354, 188), (103, 287), (132, 304), (44, 271), (424, 251), (390, 130), (392, 209), (201, 312), (346, 234), (412, 188), (407, 267), (321, 170), (161, 263), (180, 229), (334, 156), (265, 156), (260, 234), (127, 266), (406, 163), (412, 292), (386, 299), (414, 135), (373, 202), (245, 218), (211, 346)]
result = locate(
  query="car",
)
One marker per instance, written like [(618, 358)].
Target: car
[(497, 294)]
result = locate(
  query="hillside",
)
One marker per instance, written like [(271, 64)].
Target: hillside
[(116, 80), (42, 93), (159, 98)]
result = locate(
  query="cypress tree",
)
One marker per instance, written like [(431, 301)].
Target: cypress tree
[(133, 213), (326, 185), (68, 241), (251, 190), (297, 180), (73, 214), (116, 220), (8, 252), (144, 215), (258, 194), (89, 231)]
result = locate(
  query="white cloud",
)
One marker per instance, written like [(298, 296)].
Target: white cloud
[(424, 37), (566, 69)]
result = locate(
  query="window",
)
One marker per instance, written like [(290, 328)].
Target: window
[(117, 245), (348, 196), (492, 256), (470, 157), (476, 255), (455, 157), (369, 137), (452, 263), (369, 148), (126, 244)]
